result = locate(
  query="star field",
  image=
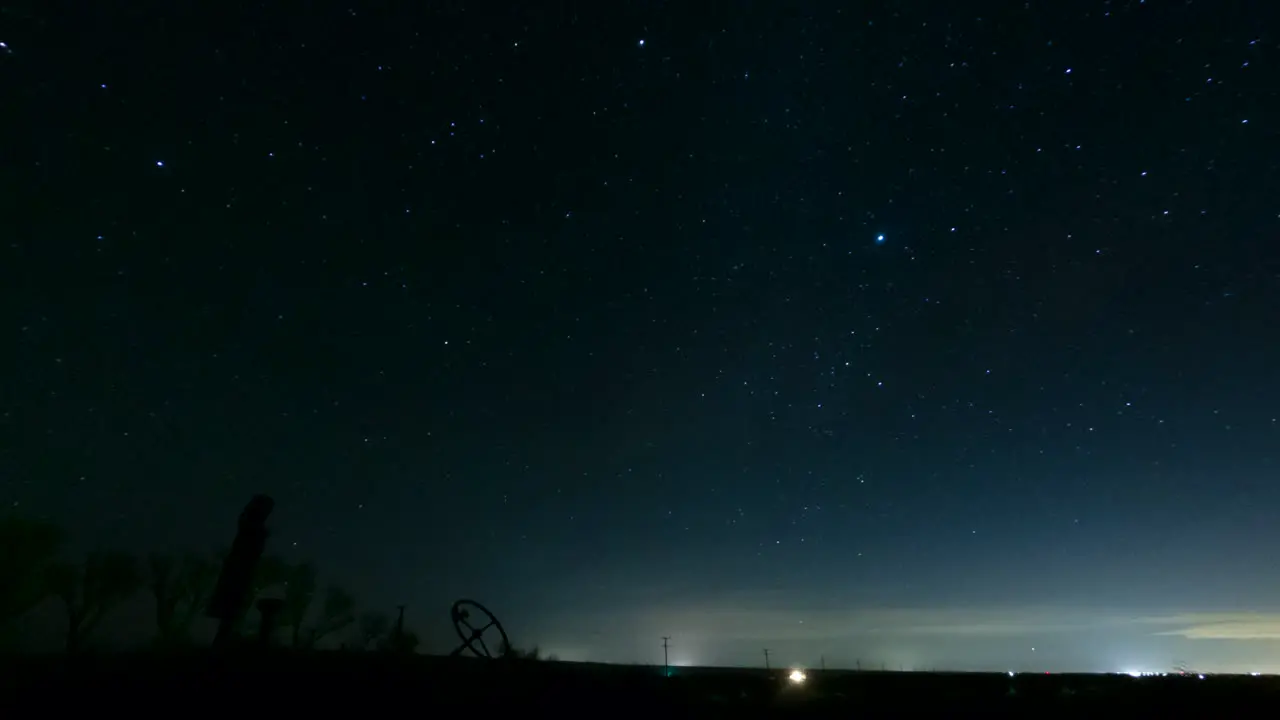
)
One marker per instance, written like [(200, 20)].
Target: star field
[(644, 320)]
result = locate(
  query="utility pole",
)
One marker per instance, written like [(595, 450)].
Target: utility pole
[(822, 663), (666, 666), (766, 658)]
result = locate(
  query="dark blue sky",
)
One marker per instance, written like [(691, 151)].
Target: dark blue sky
[(583, 311)]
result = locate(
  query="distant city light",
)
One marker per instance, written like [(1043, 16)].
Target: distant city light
[(796, 676), (879, 239)]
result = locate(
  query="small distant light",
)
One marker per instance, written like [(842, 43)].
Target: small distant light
[(1068, 71), (796, 677), (1010, 673), (641, 43), (879, 238), (159, 163), (1201, 676)]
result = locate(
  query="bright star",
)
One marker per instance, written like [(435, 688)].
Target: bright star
[(879, 239)]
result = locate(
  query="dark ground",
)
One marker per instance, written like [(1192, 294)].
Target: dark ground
[(335, 682)]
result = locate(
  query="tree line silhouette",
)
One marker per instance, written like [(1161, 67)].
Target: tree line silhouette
[(33, 569)]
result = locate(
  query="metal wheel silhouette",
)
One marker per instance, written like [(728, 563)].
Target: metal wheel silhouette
[(472, 633)]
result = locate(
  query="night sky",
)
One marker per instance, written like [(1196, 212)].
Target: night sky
[(924, 334)]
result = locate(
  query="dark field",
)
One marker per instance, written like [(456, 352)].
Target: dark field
[(367, 683)]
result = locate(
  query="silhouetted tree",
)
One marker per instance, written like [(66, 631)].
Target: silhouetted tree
[(180, 588), (374, 626), (92, 589), (271, 571), (28, 547), (336, 613), (299, 590)]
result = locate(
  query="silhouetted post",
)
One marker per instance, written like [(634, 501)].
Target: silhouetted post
[(766, 658), (822, 663), (230, 598), (858, 664), (269, 612), (666, 666)]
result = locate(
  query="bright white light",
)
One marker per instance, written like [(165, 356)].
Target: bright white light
[(1010, 673), (879, 238), (1200, 676), (796, 676), (641, 43)]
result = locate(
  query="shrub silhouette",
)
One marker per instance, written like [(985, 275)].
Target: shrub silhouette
[(515, 653), (299, 589), (337, 613), (402, 642)]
